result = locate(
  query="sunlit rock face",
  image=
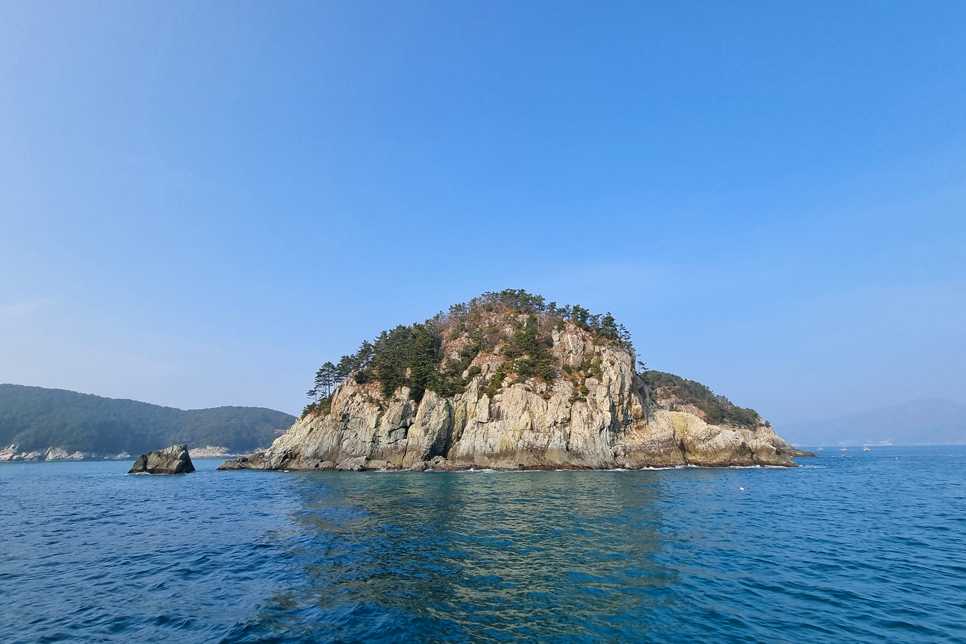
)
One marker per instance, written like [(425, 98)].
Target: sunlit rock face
[(602, 421)]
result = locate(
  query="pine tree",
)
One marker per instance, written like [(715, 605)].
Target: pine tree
[(326, 378), (320, 381)]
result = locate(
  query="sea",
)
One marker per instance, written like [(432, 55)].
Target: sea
[(853, 546)]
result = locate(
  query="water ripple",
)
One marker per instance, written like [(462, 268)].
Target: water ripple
[(868, 548)]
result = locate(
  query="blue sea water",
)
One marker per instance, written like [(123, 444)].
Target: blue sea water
[(853, 547)]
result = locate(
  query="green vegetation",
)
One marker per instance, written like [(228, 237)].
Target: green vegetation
[(529, 352), (717, 410), (325, 379), (413, 356), (37, 418), (517, 325)]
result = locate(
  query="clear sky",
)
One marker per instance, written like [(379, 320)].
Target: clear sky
[(200, 202)]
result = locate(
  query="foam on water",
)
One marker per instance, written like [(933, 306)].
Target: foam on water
[(868, 548)]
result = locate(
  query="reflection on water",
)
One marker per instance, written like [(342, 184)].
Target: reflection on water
[(487, 557), (869, 547)]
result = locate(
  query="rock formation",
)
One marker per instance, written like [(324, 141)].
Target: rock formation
[(598, 413), (213, 451), (13, 453), (170, 460)]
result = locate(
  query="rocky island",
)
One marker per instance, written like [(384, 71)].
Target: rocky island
[(170, 460), (506, 381)]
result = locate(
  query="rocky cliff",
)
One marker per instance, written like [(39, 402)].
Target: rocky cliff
[(589, 410)]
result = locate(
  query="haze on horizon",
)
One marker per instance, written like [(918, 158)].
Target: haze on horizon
[(202, 202)]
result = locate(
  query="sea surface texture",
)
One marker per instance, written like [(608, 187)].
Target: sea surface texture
[(856, 546)]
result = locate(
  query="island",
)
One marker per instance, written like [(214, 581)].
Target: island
[(508, 381), (170, 460)]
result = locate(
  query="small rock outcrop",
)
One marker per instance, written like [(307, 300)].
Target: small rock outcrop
[(213, 451), (170, 460), (13, 453), (506, 382)]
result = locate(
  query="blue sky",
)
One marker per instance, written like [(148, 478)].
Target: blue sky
[(201, 202)]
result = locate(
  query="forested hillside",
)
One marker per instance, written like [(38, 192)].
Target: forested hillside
[(438, 354), (38, 418)]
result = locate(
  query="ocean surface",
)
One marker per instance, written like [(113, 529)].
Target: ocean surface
[(856, 546)]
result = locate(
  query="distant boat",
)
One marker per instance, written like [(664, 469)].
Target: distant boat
[(865, 449), (843, 449), (820, 449)]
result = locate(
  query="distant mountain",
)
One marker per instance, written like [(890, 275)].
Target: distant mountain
[(36, 419), (925, 422)]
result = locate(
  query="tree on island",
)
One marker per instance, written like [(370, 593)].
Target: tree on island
[(412, 355), (518, 325), (325, 379)]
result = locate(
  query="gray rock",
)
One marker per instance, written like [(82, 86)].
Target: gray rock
[(170, 460)]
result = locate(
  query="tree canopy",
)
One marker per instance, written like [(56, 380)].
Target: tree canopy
[(412, 355), (717, 410)]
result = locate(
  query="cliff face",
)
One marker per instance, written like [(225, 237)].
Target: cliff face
[(604, 420)]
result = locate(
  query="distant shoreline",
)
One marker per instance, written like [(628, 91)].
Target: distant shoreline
[(13, 454)]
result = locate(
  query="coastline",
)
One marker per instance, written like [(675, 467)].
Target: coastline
[(13, 454)]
